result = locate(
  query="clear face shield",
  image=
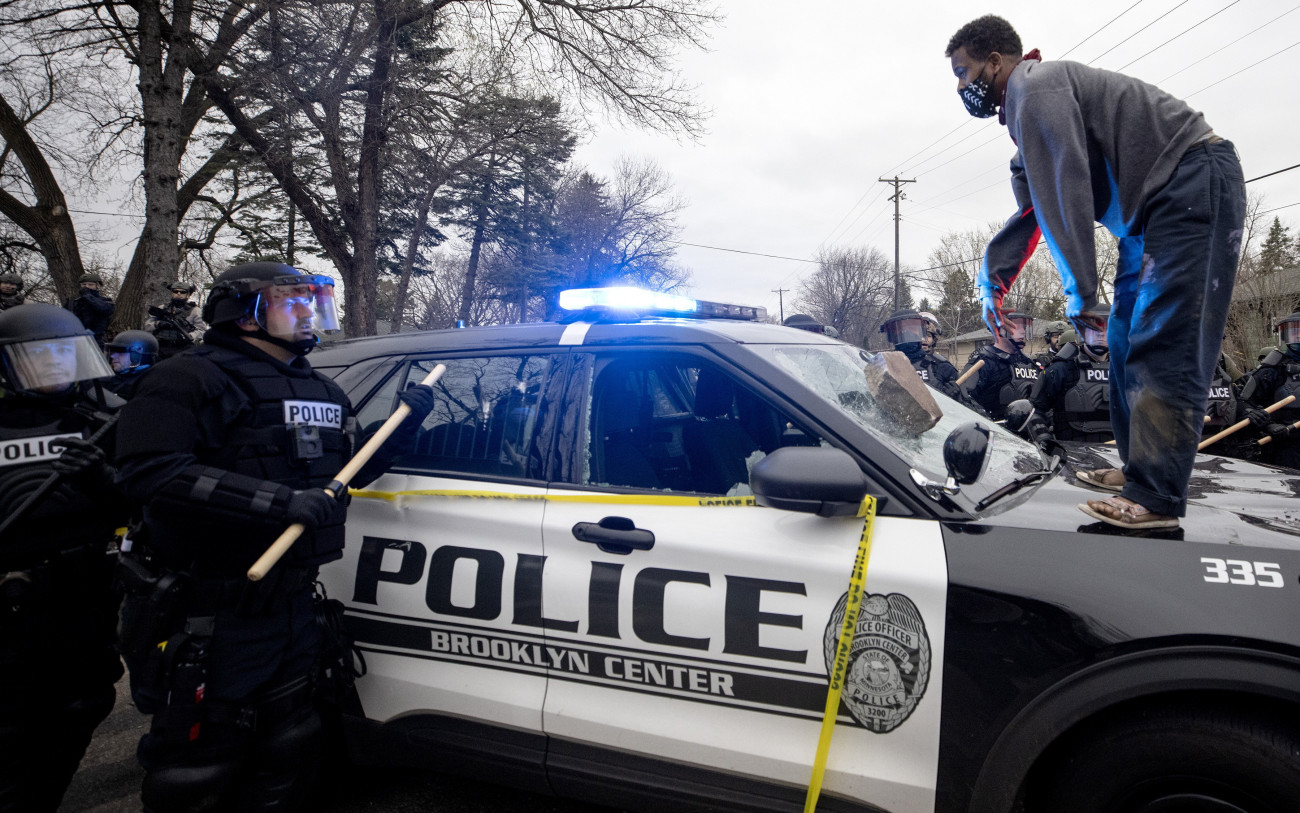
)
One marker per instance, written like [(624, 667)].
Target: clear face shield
[(1290, 332), (903, 331), (1018, 329), (53, 365), (292, 311), (1094, 337)]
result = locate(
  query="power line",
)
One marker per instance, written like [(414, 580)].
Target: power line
[(1176, 36), (1139, 31), (1248, 67), (742, 251), (1276, 172), (1099, 30), (1229, 45)]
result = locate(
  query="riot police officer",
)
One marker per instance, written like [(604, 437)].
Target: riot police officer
[(1075, 387), (130, 354), (1277, 376), (178, 324), (57, 610), (911, 335), (11, 287), (92, 306), (1007, 374), (1223, 410), (1052, 335), (225, 445)]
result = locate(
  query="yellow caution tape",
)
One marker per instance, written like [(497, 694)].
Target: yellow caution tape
[(857, 585), (617, 499), (857, 582)]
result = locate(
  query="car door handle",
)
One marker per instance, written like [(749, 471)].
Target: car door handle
[(614, 535)]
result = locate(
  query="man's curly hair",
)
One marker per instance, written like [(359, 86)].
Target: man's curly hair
[(984, 36)]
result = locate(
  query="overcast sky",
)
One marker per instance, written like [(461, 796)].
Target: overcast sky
[(814, 101)]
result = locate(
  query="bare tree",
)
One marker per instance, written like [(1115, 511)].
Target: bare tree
[(1265, 291), (349, 55), (852, 290), (31, 194)]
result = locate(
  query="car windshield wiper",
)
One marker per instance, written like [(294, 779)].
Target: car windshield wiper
[(1054, 460), (1014, 486)]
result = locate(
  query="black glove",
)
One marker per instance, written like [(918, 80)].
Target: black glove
[(313, 508), (420, 398), (1279, 431), (80, 457), (1258, 418)]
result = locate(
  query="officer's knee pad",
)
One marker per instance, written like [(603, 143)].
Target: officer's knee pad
[(187, 788)]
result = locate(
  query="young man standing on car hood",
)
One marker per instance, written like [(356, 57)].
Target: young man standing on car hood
[(1098, 146)]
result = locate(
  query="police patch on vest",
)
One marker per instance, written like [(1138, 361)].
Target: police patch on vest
[(925, 374), (1098, 375), (1025, 372), (314, 413), (31, 450), (1220, 393), (889, 660)]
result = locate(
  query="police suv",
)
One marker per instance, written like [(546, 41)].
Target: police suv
[(616, 563)]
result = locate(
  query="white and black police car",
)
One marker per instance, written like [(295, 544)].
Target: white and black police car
[(568, 587)]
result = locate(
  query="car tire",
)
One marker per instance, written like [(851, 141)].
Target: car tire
[(1178, 760)]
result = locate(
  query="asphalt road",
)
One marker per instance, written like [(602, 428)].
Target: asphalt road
[(109, 782)]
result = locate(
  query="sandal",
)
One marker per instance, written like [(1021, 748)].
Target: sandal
[(1122, 513), (1108, 479)]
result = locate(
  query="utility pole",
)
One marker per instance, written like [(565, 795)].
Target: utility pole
[(780, 301), (897, 183)]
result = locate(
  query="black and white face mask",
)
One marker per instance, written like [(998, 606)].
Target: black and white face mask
[(978, 98)]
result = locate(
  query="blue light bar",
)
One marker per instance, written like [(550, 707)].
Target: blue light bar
[(635, 299), (652, 303)]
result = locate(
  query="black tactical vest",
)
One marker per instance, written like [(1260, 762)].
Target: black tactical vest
[(1085, 409), (294, 430), (1222, 405), (1290, 386), (76, 513), (922, 366), (1024, 375), (167, 332)]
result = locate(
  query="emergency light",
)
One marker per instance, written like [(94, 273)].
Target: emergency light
[(654, 303)]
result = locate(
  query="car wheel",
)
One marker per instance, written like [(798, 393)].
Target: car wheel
[(1177, 760)]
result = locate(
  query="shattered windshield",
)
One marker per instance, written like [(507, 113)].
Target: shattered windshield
[(837, 374)]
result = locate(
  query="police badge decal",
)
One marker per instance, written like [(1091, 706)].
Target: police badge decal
[(889, 660)]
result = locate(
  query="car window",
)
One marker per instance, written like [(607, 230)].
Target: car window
[(484, 421), (835, 374), (677, 423)]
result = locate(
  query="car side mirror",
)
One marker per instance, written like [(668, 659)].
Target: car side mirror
[(815, 480), (965, 455), (966, 452)]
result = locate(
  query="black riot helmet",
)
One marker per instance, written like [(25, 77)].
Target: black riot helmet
[(288, 305), (139, 346), (180, 286), (12, 279), (804, 322), (1288, 328), (45, 349), (903, 328)]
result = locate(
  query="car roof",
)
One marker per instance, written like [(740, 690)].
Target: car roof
[(548, 335)]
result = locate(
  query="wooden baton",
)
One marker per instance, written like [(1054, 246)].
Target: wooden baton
[(281, 545), (1243, 423), (974, 368)]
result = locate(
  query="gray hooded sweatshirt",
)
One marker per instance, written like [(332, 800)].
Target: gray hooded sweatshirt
[(1093, 146)]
